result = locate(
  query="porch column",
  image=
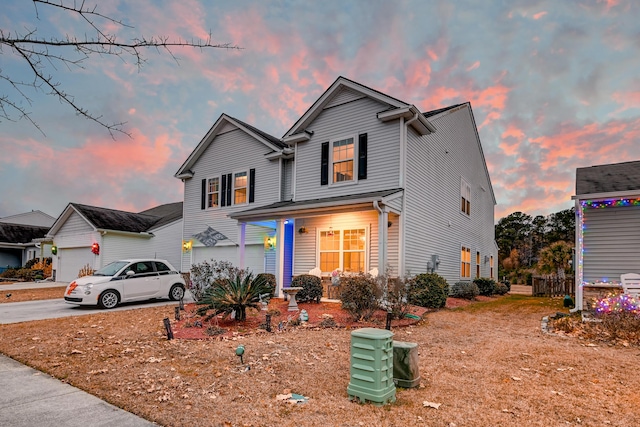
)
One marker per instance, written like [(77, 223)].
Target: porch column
[(242, 232), (578, 272), (279, 257)]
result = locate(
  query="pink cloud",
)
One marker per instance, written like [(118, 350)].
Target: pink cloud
[(539, 15), (473, 66), (627, 99)]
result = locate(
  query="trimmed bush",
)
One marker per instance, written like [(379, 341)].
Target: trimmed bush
[(501, 288), (465, 290), (311, 288), (486, 286), (359, 296), (429, 290)]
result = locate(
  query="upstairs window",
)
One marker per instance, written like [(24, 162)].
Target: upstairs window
[(342, 159), (213, 192), (465, 263), (239, 188), (477, 265), (465, 197)]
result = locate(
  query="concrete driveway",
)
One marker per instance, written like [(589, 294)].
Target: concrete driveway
[(26, 311)]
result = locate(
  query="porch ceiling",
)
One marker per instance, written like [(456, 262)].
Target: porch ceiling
[(302, 208)]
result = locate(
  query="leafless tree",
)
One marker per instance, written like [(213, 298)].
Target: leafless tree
[(42, 56)]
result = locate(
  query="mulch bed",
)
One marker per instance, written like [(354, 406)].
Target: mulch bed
[(193, 326)]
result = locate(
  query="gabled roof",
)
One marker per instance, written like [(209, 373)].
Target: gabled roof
[(36, 217), (611, 178), (116, 220), (441, 110), (396, 108), (271, 142), (20, 233)]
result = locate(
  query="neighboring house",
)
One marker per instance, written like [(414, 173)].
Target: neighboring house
[(21, 238), (97, 236), (361, 182), (607, 224)]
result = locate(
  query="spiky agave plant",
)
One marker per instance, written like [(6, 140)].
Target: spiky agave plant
[(234, 294)]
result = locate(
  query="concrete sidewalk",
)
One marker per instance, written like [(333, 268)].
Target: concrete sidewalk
[(32, 398)]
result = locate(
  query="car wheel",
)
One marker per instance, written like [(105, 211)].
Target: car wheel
[(176, 293), (108, 299)]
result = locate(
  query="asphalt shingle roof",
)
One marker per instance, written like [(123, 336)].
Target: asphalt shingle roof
[(18, 233), (608, 178), (111, 219)]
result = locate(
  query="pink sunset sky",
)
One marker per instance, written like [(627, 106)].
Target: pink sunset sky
[(553, 85)]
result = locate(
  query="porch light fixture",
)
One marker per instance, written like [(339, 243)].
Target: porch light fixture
[(54, 250), (302, 230), (269, 242), (95, 248), (187, 245)]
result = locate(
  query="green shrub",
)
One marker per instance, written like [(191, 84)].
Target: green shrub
[(270, 280), (501, 288), (429, 290), (465, 290), (486, 286), (359, 296), (235, 294), (311, 287)]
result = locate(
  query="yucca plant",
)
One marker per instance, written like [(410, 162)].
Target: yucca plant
[(234, 294)]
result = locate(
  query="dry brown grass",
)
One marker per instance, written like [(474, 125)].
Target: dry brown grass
[(20, 295), (488, 363)]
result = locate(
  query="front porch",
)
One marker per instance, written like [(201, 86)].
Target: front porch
[(340, 235)]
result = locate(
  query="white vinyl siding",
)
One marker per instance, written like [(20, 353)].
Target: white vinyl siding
[(611, 242), (433, 222), (231, 152), (353, 118)]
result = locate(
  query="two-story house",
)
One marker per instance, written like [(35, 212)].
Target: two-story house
[(361, 182)]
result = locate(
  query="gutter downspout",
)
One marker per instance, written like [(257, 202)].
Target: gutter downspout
[(383, 218)]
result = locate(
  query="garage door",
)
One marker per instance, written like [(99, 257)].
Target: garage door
[(70, 261), (253, 256)]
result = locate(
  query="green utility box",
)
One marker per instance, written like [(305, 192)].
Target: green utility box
[(372, 366), (406, 372)]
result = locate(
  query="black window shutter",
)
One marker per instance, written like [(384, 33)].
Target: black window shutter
[(362, 156), (229, 189), (252, 185), (324, 164), (223, 190), (203, 201)]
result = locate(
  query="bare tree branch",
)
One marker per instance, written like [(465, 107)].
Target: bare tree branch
[(41, 54)]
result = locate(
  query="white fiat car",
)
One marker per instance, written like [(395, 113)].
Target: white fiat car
[(125, 281)]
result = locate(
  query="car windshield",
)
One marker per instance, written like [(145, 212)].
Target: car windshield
[(110, 269)]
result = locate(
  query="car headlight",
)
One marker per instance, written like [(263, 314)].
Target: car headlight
[(87, 289)]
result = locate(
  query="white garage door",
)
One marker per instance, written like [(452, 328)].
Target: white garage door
[(253, 256), (71, 260)]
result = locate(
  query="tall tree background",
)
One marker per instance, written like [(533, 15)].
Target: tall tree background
[(522, 239)]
